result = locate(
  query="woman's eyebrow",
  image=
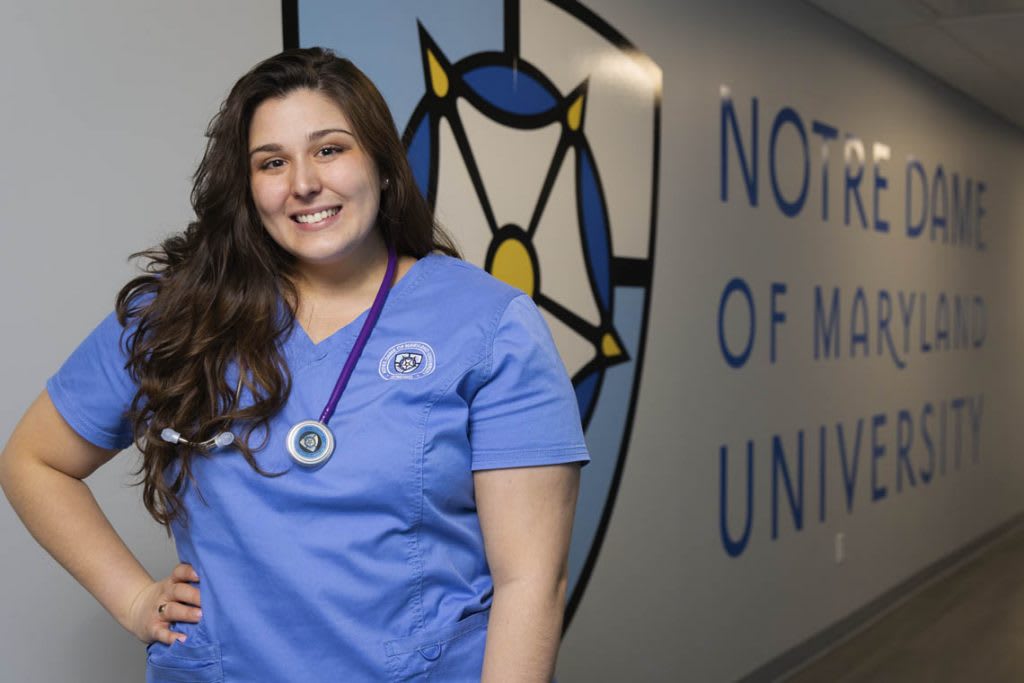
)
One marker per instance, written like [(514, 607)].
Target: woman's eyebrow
[(274, 148), (270, 147), (317, 134)]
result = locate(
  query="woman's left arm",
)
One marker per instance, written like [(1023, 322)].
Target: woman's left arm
[(526, 517)]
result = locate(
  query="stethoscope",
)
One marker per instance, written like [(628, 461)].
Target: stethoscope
[(311, 442)]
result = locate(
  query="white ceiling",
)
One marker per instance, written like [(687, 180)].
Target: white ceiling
[(977, 46)]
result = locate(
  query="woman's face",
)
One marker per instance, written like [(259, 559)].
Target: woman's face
[(317, 191)]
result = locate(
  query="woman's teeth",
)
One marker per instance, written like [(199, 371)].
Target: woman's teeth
[(316, 217)]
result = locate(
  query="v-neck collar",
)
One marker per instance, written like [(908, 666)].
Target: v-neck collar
[(301, 349)]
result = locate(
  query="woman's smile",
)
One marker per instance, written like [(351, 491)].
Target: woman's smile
[(317, 217)]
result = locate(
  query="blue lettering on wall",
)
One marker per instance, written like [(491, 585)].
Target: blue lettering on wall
[(778, 316), (795, 495), (853, 155), (904, 440), (827, 133), (939, 200), (826, 330), (880, 153), (942, 323), (963, 211), (859, 333), (907, 300), (938, 329), (789, 207), (916, 178), (940, 211), (884, 333), (735, 547), (950, 205), (926, 473), (736, 360), (925, 344), (922, 458), (878, 491), (749, 170), (850, 462), (978, 323)]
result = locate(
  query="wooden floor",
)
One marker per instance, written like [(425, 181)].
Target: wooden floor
[(967, 626)]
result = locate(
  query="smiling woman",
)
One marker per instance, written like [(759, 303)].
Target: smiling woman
[(414, 529), (317, 192), (315, 188)]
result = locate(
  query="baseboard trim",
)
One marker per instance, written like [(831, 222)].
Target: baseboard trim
[(799, 656)]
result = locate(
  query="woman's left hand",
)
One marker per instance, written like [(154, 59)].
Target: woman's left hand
[(173, 599)]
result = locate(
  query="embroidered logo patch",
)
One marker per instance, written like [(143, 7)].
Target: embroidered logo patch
[(408, 360)]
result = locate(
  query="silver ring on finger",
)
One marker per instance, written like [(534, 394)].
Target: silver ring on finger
[(161, 608)]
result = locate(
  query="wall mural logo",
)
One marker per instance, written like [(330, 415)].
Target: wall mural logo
[(501, 143)]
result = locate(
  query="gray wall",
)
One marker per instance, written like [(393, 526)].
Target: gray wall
[(106, 104), (105, 114)]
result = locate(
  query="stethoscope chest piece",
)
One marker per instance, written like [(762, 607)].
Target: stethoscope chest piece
[(310, 443)]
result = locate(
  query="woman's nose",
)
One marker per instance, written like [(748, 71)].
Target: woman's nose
[(306, 180)]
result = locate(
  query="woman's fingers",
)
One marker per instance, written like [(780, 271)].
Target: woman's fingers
[(162, 603), (185, 593), (185, 572), (175, 611), (167, 636), (180, 600)]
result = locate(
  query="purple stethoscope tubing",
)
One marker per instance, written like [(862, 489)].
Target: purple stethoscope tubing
[(364, 336), (322, 439)]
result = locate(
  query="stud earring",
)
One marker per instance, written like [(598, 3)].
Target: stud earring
[(385, 184)]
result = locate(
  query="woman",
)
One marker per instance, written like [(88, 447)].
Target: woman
[(419, 528)]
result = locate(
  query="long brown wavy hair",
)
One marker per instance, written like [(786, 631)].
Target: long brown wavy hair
[(211, 297)]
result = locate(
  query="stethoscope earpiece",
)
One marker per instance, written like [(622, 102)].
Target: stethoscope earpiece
[(219, 441)]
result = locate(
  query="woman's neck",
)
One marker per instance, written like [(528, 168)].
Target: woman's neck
[(350, 277), (331, 295)]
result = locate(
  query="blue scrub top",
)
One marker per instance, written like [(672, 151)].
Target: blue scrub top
[(370, 567)]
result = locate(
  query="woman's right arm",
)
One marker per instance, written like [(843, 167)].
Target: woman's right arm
[(41, 471)]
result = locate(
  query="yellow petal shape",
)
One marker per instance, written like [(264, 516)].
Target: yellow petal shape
[(438, 78), (512, 264), (575, 115), (609, 347)]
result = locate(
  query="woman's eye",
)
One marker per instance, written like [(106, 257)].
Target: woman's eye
[(272, 163), (330, 150)]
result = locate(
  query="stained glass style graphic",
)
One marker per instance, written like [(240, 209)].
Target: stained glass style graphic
[(515, 94)]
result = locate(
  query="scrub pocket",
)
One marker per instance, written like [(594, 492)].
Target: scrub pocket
[(453, 654), (197, 660)]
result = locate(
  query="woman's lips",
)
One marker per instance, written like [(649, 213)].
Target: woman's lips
[(315, 217)]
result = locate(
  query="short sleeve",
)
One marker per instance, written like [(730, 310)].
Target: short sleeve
[(525, 413), (93, 390)]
